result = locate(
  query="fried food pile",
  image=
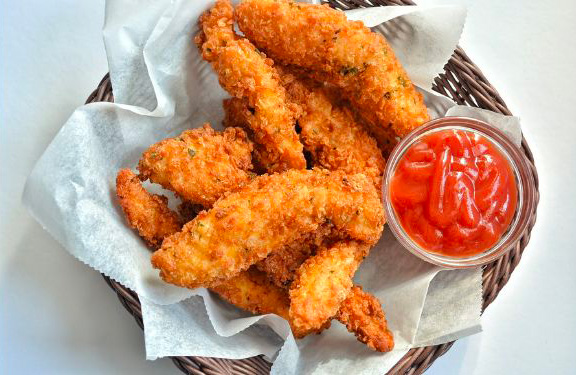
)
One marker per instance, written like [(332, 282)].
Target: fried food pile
[(280, 208)]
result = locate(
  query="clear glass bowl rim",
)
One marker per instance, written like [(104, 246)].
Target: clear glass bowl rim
[(525, 185)]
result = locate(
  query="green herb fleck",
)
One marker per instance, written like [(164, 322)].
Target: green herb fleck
[(349, 71), (208, 49), (191, 152), (181, 139), (387, 95), (402, 81)]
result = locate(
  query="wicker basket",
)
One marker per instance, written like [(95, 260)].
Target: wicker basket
[(461, 81)]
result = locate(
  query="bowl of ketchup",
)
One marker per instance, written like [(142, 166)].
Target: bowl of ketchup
[(457, 192)]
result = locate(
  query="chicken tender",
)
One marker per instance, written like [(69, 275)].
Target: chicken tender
[(362, 314), (272, 211), (322, 283), (201, 164), (247, 74), (341, 52), (147, 213)]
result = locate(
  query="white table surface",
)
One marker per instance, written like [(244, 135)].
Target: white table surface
[(57, 316)]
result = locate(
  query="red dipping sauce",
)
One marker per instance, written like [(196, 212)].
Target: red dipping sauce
[(454, 193)]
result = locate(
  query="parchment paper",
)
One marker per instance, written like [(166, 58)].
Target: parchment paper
[(162, 87)]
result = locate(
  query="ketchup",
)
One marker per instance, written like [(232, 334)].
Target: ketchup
[(454, 193)]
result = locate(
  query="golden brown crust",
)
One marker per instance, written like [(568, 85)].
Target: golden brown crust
[(362, 315), (272, 211), (344, 53), (201, 164), (246, 73), (252, 291), (322, 283), (147, 213)]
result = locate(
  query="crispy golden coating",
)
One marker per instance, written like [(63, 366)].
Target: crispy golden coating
[(246, 73), (322, 283), (147, 213), (362, 314), (201, 164), (272, 211), (251, 290), (341, 52), (330, 132)]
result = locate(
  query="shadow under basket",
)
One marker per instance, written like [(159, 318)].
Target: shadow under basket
[(462, 82)]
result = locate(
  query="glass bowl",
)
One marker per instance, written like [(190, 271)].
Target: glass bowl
[(524, 184)]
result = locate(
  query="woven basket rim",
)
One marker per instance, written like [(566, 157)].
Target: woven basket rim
[(461, 81)]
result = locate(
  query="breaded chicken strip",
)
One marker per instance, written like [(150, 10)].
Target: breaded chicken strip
[(341, 52), (322, 283), (201, 164), (272, 211), (147, 213), (250, 290), (362, 314), (247, 74)]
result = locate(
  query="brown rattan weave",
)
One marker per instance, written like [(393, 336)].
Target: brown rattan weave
[(461, 81)]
